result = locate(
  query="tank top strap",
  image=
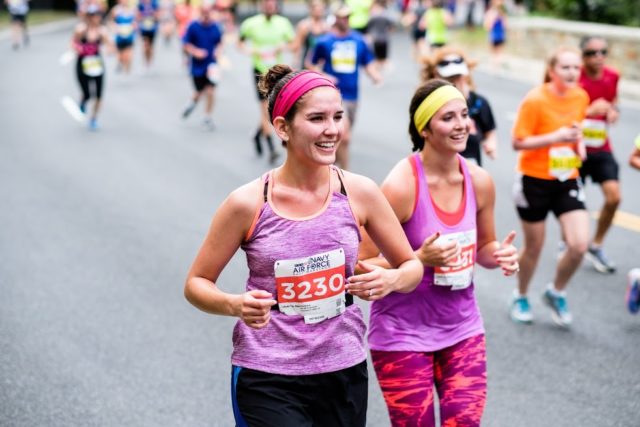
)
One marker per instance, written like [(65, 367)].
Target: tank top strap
[(263, 191), (418, 174), (470, 194)]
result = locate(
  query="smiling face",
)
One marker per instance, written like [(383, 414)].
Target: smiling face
[(316, 129), (565, 72), (449, 127)]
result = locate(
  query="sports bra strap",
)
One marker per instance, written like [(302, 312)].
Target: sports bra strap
[(343, 190)]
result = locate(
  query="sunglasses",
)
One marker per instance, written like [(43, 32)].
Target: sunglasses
[(446, 62), (594, 52)]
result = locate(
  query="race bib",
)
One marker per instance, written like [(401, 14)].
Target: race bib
[(268, 56), (594, 132), (562, 162), (343, 57), (312, 287), (92, 66), (148, 23), (213, 73), (125, 30), (459, 277)]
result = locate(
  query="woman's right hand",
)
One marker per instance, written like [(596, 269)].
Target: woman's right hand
[(255, 309), (434, 254)]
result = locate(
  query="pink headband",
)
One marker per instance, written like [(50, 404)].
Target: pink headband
[(295, 88)]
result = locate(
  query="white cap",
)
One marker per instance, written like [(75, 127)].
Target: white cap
[(452, 65)]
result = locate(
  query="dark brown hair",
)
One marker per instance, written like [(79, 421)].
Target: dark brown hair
[(272, 82), (420, 95)]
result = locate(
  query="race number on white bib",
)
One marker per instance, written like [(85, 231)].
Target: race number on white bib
[(562, 162), (594, 132), (343, 57), (459, 277), (213, 73), (312, 287), (92, 66)]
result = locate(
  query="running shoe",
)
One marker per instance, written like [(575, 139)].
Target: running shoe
[(93, 124), (600, 261), (187, 111), (208, 124), (82, 107), (559, 308), (633, 291), (520, 310)]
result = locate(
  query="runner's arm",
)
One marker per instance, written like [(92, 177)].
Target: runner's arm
[(382, 225), (490, 252), (634, 159), (228, 229)]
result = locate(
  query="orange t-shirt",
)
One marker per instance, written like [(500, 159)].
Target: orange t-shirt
[(543, 112)]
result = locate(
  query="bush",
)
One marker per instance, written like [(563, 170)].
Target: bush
[(616, 12)]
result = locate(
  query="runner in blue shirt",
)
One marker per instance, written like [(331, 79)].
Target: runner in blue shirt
[(148, 13), (202, 42), (340, 54)]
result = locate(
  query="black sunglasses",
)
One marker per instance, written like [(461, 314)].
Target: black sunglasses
[(594, 52), (445, 62)]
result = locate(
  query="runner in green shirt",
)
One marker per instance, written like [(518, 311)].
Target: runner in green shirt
[(268, 34)]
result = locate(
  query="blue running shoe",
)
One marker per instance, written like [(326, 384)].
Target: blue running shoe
[(600, 262), (633, 291), (559, 308), (93, 124), (520, 310)]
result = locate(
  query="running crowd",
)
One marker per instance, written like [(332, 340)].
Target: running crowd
[(409, 246)]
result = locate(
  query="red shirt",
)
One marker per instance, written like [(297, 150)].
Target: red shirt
[(605, 87)]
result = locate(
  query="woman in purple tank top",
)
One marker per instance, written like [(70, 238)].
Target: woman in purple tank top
[(298, 348), (435, 336)]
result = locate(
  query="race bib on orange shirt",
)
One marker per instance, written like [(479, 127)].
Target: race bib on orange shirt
[(312, 287), (459, 277), (562, 162), (594, 132)]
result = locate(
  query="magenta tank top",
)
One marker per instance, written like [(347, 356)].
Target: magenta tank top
[(288, 345), (442, 310)]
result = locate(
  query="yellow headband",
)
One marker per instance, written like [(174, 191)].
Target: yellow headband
[(432, 103)]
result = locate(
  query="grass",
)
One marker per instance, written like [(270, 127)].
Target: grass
[(36, 17), (470, 39)]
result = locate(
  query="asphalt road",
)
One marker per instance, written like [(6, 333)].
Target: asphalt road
[(98, 230)]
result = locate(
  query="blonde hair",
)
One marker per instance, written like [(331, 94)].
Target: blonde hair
[(552, 61)]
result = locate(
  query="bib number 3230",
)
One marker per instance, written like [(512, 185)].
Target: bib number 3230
[(312, 287)]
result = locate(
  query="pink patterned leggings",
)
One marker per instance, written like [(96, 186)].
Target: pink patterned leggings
[(459, 374)]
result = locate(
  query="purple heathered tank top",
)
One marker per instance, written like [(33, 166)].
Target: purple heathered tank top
[(432, 317), (287, 345)]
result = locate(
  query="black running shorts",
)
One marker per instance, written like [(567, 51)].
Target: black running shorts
[(336, 399), (535, 197), (601, 167)]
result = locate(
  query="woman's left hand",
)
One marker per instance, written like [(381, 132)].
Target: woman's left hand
[(374, 284), (507, 255)]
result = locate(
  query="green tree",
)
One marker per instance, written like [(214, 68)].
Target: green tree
[(617, 12)]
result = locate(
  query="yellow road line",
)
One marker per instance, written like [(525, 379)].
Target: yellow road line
[(624, 220)]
